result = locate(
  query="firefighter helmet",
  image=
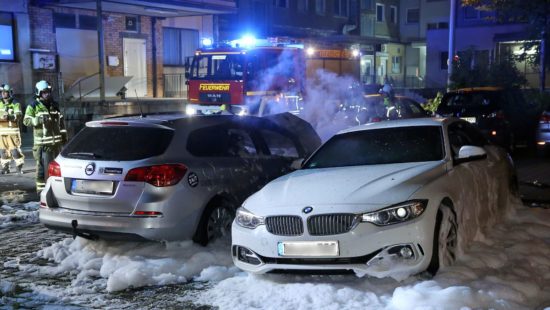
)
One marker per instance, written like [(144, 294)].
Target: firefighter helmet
[(42, 86), (6, 88)]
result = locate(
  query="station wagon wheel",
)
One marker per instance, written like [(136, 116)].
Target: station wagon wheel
[(445, 242), (219, 223), (215, 222)]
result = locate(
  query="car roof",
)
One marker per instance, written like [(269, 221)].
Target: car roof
[(162, 119), (428, 121)]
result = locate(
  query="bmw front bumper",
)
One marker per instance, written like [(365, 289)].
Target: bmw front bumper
[(396, 250)]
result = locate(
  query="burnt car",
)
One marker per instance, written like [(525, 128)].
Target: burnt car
[(168, 177), (503, 115), (373, 109)]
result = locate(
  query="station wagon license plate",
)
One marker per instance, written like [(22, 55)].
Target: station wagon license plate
[(92, 187), (471, 120), (308, 248)]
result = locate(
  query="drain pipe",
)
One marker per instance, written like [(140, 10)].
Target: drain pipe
[(154, 39)]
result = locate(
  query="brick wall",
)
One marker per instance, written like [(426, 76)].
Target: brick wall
[(43, 37), (41, 23)]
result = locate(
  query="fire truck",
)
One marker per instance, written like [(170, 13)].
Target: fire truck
[(258, 80)]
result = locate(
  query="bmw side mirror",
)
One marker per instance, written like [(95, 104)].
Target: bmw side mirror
[(470, 153), (297, 164)]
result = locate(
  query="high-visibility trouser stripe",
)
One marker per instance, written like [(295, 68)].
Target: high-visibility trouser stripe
[(47, 113), (40, 186), (48, 139)]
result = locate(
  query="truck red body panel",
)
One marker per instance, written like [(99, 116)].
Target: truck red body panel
[(238, 76)]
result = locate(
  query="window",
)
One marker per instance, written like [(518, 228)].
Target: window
[(87, 22), (281, 3), (131, 23), (413, 16), (393, 14), (279, 145), (380, 12), (380, 146), (470, 12), (396, 64), (73, 21), (341, 8), (443, 60), (320, 7), (303, 6), (7, 44), (179, 44), (366, 4), (61, 20), (440, 25), (220, 141), (240, 143), (119, 143)]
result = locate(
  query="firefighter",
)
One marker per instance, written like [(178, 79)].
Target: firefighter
[(389, 101), (44, 116), (10, 137)]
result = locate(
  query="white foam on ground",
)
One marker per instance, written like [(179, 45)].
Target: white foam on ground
[(508, 269), (124, 265), (12, 215)]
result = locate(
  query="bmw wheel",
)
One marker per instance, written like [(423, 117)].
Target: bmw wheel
[(445, 242)]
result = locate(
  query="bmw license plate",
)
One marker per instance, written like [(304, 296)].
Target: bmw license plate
[(92, 187), (308, 248), (469, 119)]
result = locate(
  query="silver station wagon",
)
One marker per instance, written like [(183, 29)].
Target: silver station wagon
[(168, 177)]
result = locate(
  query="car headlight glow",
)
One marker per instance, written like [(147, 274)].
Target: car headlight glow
[(396, 214), (190, 110), (247, 219)]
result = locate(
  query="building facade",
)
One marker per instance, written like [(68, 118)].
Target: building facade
[(58, 41)]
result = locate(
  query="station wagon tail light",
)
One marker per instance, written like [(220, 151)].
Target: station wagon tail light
[(54, 170), (148, 213), (158, 175), (396, 214)]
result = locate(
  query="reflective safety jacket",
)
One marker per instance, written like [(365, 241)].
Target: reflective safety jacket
[(47, 122), (10, 114)]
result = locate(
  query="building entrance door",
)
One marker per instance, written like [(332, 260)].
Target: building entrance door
[(135, 65)]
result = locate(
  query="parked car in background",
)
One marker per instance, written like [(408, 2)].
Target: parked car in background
[(168, 177), (543, 133), (503, 115), (383, 199), (373, 109)]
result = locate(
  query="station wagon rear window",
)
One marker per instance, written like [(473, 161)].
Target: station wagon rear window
[(119, 143)]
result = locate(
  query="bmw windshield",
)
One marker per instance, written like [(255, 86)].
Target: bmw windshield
[(380, 146)]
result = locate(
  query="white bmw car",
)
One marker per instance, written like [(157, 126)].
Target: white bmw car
[(391, 199)]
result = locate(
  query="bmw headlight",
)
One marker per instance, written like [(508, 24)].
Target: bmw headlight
[(396, 214), (247, 219)]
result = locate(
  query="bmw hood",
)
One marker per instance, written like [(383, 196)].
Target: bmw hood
[(373, 185)]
